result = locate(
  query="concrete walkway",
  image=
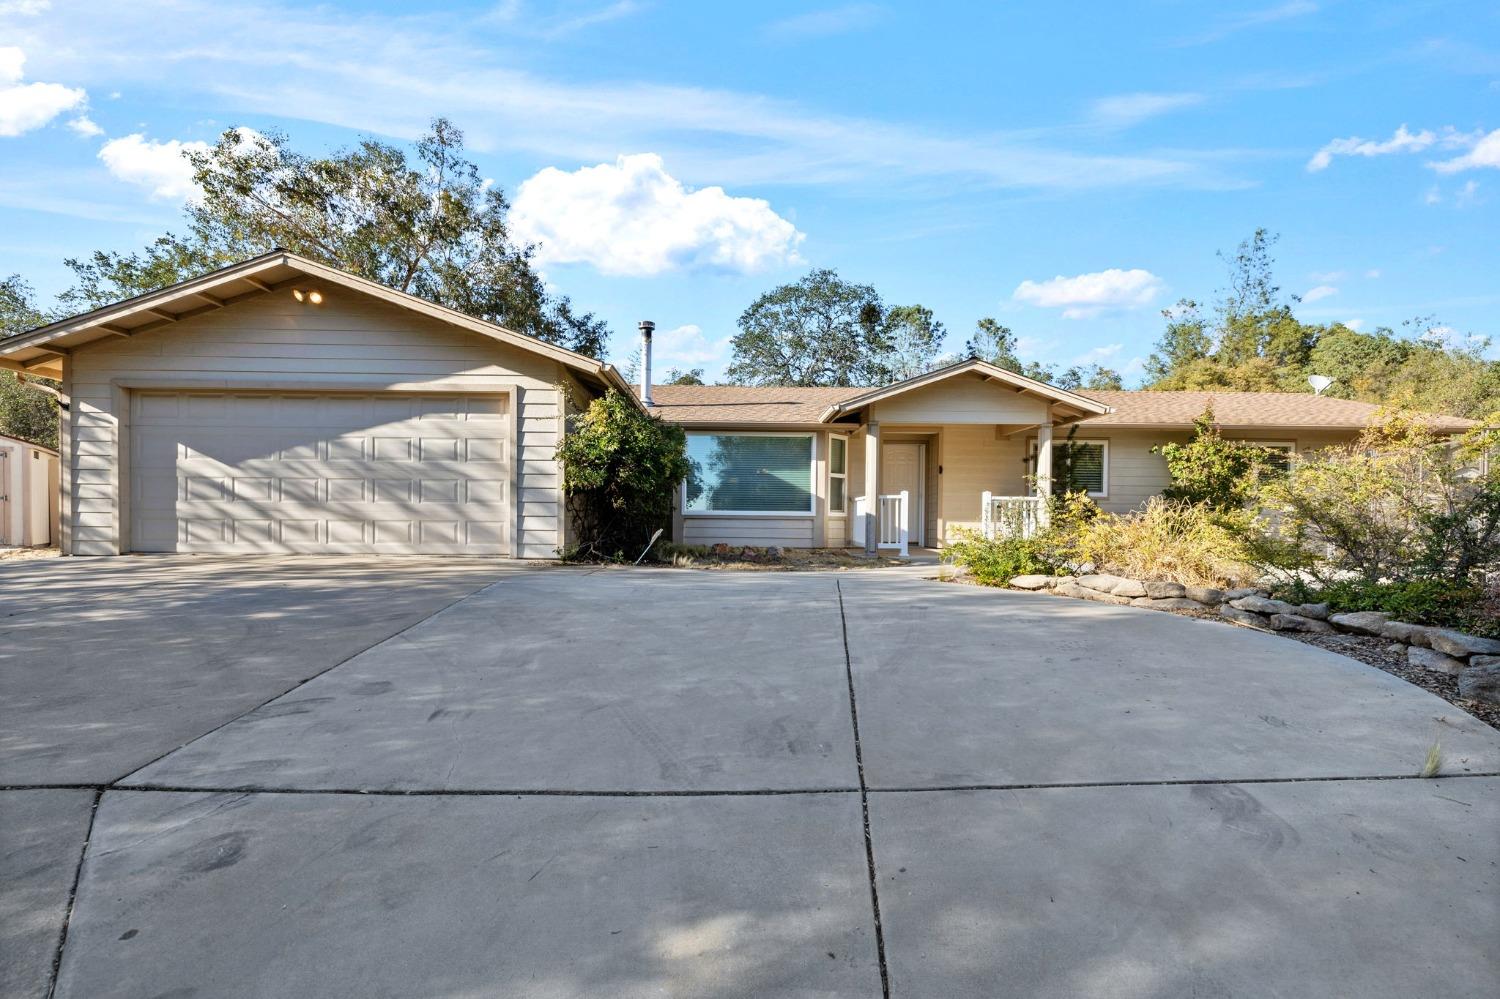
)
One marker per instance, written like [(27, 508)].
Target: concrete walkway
[(364, 778)]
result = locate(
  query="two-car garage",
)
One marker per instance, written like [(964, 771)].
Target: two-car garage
[(280, 406), (388, 473)]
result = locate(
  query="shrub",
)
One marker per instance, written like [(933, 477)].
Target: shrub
[(1444, 602), (621, 467), (995, 561), (1170, 540), (1399, 504), (1210, 470)]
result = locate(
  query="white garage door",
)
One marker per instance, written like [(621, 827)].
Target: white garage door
[(274, 473)]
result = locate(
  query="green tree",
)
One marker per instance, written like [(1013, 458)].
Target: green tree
[(997, 343), (28, 408), (429, 225), (692, 376), (1209, 470), (915, 336), (621, 468), (1090, 377), (820, 330)]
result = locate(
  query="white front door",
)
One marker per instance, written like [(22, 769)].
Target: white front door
[(901, 468)]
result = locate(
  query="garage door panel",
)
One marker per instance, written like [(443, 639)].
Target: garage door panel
[(249, 473)]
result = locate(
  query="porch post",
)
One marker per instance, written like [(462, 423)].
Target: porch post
[(872, 486), (1044, 460)]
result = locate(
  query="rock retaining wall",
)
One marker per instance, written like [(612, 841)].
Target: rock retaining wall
[(1474, 660)]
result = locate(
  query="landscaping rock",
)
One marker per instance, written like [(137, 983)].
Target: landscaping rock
[(1131, 588), (1318, 612), (1243, 591), (1296, 622), (1456, 643), (1162, 591), (1031, 582), (1264, 605), (773, 552), (1205, 594), (1411, 634), (1428, 659), (1243, 618), (1068, 587), (1103, 582), (1396, 649), (1481, 680), (1170, 604), (1101, 597), (1363, 622)]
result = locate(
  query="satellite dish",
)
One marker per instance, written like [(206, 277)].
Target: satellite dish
[(1319, 383)]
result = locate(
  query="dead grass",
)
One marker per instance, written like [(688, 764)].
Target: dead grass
[(789, 560), (23, 554), (1166, 541)]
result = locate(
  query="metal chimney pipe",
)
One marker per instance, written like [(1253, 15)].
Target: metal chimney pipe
[(647, 327)]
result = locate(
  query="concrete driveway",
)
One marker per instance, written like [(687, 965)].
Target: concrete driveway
[(365, 778)]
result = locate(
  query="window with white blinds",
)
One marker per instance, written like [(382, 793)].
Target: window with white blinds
[(748, 473)]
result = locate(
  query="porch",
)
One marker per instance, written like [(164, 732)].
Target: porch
[(917, 487)]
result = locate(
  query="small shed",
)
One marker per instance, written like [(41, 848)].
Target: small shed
[(28, 493)]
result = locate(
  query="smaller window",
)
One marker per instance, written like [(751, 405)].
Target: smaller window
[(838, 473), (1279, 455), (1089, 467)]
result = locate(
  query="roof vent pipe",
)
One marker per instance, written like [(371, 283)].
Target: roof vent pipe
[(646, 327)]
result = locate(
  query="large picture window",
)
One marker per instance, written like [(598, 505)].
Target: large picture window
[(749, 474)]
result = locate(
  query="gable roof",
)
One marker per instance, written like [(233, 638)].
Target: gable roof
[(1292, 410), (45, 347), (1076, 405), (708, 405), (787, 405)]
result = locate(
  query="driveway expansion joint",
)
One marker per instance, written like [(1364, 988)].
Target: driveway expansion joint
[(62, 934), (306, 680), (864, 801)]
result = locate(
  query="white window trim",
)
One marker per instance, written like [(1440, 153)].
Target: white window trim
[(840, 475), (812, 477), (1102, 442)]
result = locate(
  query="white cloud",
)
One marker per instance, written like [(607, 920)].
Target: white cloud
[(1087, 295), (1485, 153), (24, 8), (265, 56), (687, 347), (160, 167), (1098, 355), (1320, 291), (1254, 19), (1327, 277), (84, 125), (823, 23), (631, 217), (1355, 324), (25, 106), (1402, 141), (1124, 110)]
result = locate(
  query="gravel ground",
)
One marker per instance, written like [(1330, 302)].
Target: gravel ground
[(790, 560), (9, 554)]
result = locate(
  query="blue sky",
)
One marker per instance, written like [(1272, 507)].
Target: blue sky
[(1069, 168)]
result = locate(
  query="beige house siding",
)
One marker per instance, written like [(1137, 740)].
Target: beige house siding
[(977, 459), (961, 399), (351, 341), (759, 532)]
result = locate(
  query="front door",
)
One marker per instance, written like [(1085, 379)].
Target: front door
[(901, 468)]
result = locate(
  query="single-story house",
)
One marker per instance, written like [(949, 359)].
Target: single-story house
[(964, 445), (282, 406)]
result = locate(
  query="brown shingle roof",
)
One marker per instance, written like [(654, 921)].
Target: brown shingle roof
[(1244, 409), (745, 403), (771, 406)]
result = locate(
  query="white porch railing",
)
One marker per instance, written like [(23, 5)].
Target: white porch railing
[(1011, 516), (892, 531)]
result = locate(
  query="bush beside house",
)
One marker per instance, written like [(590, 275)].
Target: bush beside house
[(1396, 535)]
